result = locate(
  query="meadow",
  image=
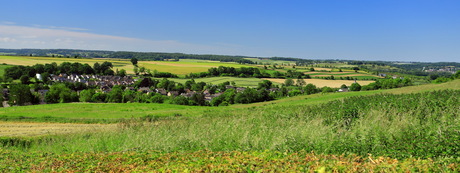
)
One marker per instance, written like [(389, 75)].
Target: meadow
[(369, 131)]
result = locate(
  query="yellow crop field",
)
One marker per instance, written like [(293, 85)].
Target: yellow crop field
[(323, 82), (15, 129), (182, 67)]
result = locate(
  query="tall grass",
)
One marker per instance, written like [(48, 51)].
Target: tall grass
[(409, 125)]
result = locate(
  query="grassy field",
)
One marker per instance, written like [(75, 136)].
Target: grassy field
[(2, 69), (323, 82), (369, 133), (182, 67), (99, 110)]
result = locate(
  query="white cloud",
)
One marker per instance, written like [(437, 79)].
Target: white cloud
[(12, 36)]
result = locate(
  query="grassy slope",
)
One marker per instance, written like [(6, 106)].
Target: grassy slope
[(103, 111)]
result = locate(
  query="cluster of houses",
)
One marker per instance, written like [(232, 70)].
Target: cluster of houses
[(188, 93), (106, 83), (450, 69), (94, 80)]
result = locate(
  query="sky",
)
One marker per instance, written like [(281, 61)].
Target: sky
[(388, 30)]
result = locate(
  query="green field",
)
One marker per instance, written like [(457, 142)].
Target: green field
[(355, 131), (182, 67), (2, 69)]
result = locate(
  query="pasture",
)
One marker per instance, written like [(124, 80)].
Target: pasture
[(88, 111)]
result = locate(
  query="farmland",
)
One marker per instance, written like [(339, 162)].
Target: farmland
[(322, 82), (260, 137), (396, 130), (182, 67)]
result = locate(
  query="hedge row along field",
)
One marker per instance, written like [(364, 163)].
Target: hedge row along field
[(425, 126)]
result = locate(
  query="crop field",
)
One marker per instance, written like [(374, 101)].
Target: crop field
[(324, 82), (186, 66), (182, 67), (270, 62), (27, 129)]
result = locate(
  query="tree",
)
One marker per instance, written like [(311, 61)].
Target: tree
[(457, 75), (97, 68), (59, 93), (289, 82), (134, 61), (343, 86), (116, 95), (300, 82), (24, 79), (99, 97), (20, 94), (265, 84), (355, 87), (142, 70), (122, 73), (327, 89), (136, 70), (310, 89), (312, 69), (355, 69), (86, 95)]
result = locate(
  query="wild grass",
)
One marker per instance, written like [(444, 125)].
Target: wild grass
[(97, 111), (421, 125)]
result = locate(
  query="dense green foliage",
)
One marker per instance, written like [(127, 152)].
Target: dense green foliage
[(17, 72)]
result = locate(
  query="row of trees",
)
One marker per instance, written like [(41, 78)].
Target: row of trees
[(16, 72), (246, 72)]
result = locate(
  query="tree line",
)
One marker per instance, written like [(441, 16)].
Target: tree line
[(17, 72)]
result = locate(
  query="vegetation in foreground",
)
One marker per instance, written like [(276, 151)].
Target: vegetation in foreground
[(209, 161), (393, 128)]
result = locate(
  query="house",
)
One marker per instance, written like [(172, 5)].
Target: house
[(240, 89), (273, 89), (343, 90), (162, 91), (145, 90), (106, 89), (173, 93), (188, 93)]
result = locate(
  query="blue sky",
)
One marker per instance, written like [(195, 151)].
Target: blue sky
[(393, 30)]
